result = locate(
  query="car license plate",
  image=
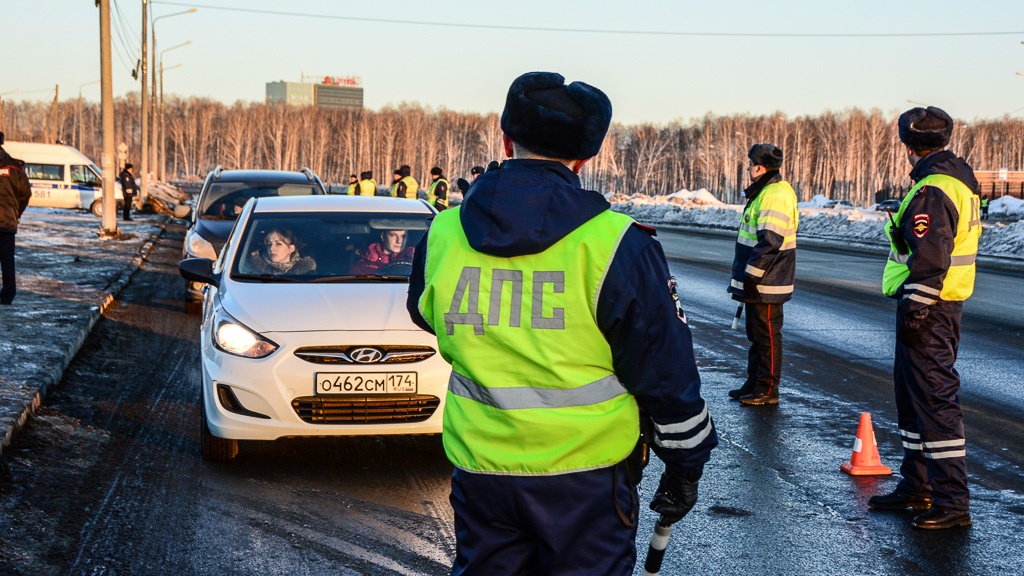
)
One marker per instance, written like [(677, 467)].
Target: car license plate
[(360, 383)]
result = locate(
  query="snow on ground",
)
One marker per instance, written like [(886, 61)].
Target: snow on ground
[(1001, 237)]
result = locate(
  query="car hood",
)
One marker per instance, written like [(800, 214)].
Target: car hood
[(318, 307), (215, 231)]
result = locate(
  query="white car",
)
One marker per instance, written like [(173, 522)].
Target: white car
[(305, 330)]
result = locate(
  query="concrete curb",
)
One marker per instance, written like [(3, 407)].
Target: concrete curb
[(30, 396)]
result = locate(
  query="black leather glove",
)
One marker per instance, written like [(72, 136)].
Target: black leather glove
[(675, 497), (462, 185), (909, 323), (494, 165), (749, 286)]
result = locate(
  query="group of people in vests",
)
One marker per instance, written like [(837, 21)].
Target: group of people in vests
[(403, 185)]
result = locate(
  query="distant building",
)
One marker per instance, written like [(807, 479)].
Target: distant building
[(326, 91)]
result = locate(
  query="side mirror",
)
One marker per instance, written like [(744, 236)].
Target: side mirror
[(198, 270)]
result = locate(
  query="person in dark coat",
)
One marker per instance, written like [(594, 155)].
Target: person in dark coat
[(15, 193), (129, 189), (567, 342)]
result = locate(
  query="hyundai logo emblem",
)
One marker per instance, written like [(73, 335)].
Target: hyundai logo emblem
[(366, 355)]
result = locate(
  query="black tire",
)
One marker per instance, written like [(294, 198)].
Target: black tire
[(215, 449), (96, 208)]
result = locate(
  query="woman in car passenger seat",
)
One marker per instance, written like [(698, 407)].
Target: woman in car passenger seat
[(279, 255)]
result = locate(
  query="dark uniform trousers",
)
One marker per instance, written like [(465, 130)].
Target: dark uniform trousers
[(7, 267), (596, 535), (929, 413), (764, 360), (126, 208)]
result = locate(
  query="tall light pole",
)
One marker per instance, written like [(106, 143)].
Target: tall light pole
[(78, 114), (163, 139), (158, 107), (109, 221), (153, 144), (144, 161)]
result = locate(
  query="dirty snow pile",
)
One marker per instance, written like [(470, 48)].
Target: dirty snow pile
[(851, 225)]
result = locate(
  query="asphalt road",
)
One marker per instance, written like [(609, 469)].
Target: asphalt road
[(108, 478)]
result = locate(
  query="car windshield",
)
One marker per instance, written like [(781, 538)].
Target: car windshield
[(224, 200), (325, 247)]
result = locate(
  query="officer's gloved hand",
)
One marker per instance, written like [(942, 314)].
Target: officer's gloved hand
[(909, 323), (494, 165), (462, 184), (677, 493), (749, 285), (898, 240)]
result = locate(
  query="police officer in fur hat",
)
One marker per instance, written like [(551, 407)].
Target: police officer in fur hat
[(558, 361), (763, 271), (930, 272)]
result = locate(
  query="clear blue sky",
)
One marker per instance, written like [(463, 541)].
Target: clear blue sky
[(649, 78)]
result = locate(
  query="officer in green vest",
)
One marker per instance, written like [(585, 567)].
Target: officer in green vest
[(367, 185), (404, 186), (396, 181), (984, 207), (566, 338), (353, 185), (438, 194), (930, 272), (763, 271)]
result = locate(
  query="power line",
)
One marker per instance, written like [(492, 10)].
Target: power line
[(126, 51), (585, 30)]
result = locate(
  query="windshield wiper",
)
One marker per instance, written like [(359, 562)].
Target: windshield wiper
[(358, 277), (263, 277)]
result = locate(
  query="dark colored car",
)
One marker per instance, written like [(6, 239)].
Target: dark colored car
[(221, 199), (890, 205)]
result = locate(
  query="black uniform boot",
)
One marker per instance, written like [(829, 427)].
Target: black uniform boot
[(760, 398), (897, 500), (939, 518)]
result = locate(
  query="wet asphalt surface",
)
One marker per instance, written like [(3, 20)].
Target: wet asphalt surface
[(108, 478)]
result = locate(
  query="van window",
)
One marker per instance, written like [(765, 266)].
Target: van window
[(83, 175), (45, 171)]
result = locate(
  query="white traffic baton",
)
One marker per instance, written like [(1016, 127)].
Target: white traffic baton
[(656, 551), (736, 318)]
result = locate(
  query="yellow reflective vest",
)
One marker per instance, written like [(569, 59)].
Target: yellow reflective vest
[(957, 284), (533, 389)]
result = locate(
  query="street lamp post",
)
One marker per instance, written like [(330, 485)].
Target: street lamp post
[(78, 114), (153, 147), (163, 137)]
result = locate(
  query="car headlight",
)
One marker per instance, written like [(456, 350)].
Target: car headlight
[(232, 337), (199, 247)]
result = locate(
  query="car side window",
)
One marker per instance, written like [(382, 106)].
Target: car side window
[(45, 171)]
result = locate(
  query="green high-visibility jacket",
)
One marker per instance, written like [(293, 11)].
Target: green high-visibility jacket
[(432, 196), (765, 253), (956, 270), (533, 389), (367, 187)]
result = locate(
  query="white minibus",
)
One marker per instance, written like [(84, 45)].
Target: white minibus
[(61, 176)]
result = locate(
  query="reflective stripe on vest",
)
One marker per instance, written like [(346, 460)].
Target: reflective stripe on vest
[(958, 283), (432, 197), (411, 187), (533, 389)]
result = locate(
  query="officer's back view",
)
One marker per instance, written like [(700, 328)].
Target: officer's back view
[(561, 322)]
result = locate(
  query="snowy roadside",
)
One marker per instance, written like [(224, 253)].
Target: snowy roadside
[(863, 226), (66, 277)]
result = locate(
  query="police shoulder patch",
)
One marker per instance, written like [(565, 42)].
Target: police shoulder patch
[(921, 223)]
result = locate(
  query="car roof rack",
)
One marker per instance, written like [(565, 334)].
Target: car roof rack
[(217, 171), (308, 173)]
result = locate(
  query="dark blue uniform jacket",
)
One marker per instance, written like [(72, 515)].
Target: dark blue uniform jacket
[(526, 207)]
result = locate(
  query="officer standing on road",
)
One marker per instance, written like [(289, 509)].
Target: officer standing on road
[(404, 186), (984, 207), (129, 189), (15, 192), (476, 171), (763, 271), (367, 185), (438, 191), (353, 185), (934, 243), (562, 325)]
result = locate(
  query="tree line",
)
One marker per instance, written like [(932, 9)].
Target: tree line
[(853, 155)]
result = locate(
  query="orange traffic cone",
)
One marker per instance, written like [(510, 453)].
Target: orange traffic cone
[(865, 460)]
